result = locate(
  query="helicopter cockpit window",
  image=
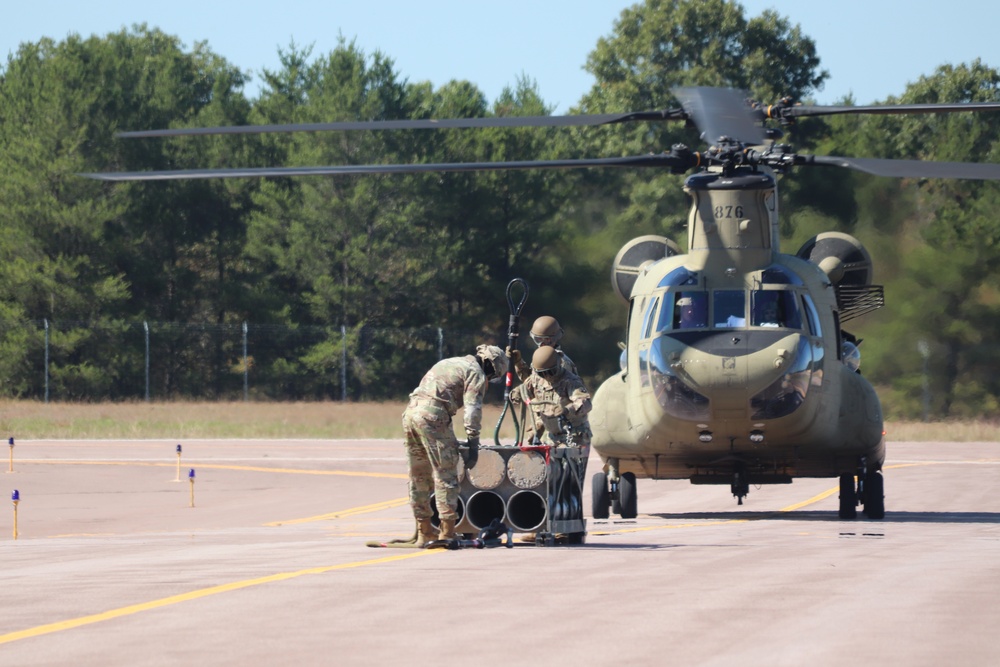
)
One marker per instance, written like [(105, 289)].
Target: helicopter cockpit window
[(779, 275), (648, 319), (690, 310), (730, 308), (775, 308), (813, 317), (677, 277)]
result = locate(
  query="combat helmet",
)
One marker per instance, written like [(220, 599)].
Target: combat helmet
[(546, 331), (496, 357), (545, 360)]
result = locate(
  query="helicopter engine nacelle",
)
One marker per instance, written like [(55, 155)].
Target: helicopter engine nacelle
[(841, 257), (635, 257)]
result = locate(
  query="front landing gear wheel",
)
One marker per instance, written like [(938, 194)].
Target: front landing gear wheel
[(627, 494), (874, 495), (601, 496), (848, 498)]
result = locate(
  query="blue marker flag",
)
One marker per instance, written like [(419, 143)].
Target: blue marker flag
[(178, 449), (191, 473), (15, 495)]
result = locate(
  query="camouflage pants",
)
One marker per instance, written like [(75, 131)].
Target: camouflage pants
[(432, 455)]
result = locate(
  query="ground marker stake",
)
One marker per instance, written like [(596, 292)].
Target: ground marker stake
[(16, 498), (10, 467), (178, 464), (191, 479)]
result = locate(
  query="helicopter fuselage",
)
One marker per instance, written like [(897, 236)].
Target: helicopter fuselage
[(733, 359)]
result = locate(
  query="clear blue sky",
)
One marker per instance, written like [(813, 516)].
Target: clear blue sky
[(872, 48)]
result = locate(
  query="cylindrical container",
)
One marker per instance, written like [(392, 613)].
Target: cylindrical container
[(526, 470), (489, 470), (526, 510), (483, 507)]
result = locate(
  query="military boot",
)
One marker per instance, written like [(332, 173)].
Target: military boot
[(447, 531), (425, 533), (446, 539)]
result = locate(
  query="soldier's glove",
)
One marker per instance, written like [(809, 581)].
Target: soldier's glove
[(471, 454), (514, 355)]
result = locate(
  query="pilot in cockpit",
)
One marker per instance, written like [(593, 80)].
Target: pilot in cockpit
[(689, 313), (768, 315)]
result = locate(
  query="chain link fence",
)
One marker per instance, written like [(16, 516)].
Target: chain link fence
[(85, 361)]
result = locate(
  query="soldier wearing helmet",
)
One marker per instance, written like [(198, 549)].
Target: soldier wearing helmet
[(431, 447), (544, 332), (559, 402)]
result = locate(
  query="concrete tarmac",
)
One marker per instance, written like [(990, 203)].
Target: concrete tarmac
[(113, 565)]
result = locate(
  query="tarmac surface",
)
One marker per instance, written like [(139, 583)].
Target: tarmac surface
[(121, 559)]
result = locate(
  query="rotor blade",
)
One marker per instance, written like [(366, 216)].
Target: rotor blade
[(800, 112), (663, 160), (721, 112), (979, 171), (425, 124)]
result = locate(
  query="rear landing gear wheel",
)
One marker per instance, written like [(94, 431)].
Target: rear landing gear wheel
[(848, 497), (874, 495), (601, 496), (627, 495)]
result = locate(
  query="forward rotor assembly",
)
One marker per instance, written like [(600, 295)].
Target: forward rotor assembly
[(730, 125)]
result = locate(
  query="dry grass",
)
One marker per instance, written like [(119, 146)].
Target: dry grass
[(32, 420)]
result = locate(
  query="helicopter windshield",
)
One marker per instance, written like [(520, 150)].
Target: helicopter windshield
[(689, 311), (730, 308), (774, 308)]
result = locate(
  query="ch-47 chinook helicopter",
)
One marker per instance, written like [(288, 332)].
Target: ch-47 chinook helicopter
[(736, 369)]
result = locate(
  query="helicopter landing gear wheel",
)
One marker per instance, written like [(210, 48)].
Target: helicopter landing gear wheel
[(874, 499), (848, 497), (601, 496), (627, 497)]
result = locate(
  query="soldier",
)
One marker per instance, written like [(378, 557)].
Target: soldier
[(431, 447), (559, 404), (544, 332)]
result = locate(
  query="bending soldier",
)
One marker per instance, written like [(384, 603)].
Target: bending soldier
[(431, 446), (544, 332)]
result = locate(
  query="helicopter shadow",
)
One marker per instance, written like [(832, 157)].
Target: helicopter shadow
[(815, 515)]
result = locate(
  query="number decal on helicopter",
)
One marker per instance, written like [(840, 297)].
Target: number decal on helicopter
[(728, 212)]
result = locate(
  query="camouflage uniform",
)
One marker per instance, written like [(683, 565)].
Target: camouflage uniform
[(431, 446), (549, 398)]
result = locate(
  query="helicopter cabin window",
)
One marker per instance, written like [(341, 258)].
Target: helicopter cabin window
[(779, 275), (690, 310), (648, 319), (812, 315), (774, 308), (678, 277), (730, 308)]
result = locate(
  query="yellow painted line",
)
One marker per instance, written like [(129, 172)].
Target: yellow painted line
[(194, 595), (815, 499), (218, 466), (375, 507)]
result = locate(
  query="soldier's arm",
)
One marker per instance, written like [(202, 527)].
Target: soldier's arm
[(475, 388)]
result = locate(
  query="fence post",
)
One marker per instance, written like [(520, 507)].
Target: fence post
[(145, 329), (246, 368), (46, 322), (343, 363)]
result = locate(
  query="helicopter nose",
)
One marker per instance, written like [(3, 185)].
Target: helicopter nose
[(757, 375)]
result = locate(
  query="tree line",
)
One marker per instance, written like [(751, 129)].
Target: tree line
[(418, 251)]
